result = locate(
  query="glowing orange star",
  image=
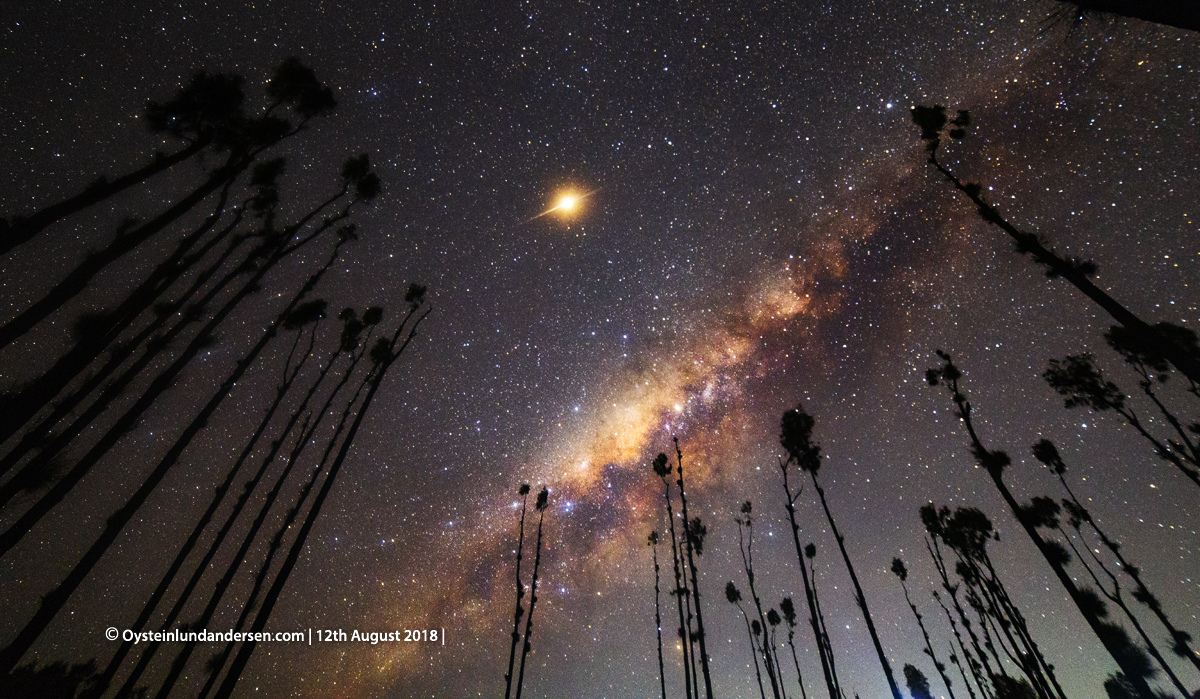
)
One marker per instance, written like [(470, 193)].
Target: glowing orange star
[(567, 204)]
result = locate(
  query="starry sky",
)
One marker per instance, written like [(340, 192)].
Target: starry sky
[(760, 231)]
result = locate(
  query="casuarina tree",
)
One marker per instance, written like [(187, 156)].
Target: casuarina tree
[(796, 438), (652, 542), (1129, 657), (934, 125), (543, 499), (523, 491)]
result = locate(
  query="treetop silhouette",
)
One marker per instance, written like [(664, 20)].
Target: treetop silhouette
[(934, 123)]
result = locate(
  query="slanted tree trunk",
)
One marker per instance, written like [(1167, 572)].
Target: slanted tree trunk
[(218, 497), (526, 646), (691, 561), (523, 491), (54, 600), (1112, 637), (22, 229), (831, 683), (384, 354), (933, 119), (662, 677)]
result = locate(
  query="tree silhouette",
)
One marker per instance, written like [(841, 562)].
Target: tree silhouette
[(796, 438), (967, 532), (97, 332), (916, 681), (205, 106), (1012, 688), (962, 653), (523, 491), (662, 469), (746, 548), (734, 596), (383, 356), (44, 435), (272, 252), (163, 381), (978, 661), (694, 536), (1045, 452), (250, 536), (1173, 13), (1080, 381), (207, 114), (789, 615), (53, 602), (348, 342), (1131, 659), (773, 622), (901, 572), (275, 248), (652, 541), (932, 122), (244, 144), (543, 499), (810, 555), (304, 315), (215, 665), (1045, 514), (1154, 370), (823, 651)]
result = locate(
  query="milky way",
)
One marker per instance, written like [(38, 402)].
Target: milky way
[(757, 229)]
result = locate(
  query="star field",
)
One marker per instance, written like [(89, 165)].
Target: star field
[(757, 229)]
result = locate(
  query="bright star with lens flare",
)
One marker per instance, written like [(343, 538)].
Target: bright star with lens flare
[(567, 204)]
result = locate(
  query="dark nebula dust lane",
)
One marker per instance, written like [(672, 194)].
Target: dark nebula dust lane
[(641, 221)]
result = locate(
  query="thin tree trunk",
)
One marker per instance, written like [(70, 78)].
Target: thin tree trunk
[(754, 652), (78, 279), (243, 499), (54, 600), (1041, 665), (1132, 672), (830, 681), (1028, 242), (306, 434), (825, 641), (928, 644), (796, 662), (979, 663), (520, 611), (662, 677), (22, 229), (1115, 598), (680, 591), (39, 436), (27, 402), (1180, 639), (527, 646), (748, 565), (963, 653), (148, 608), (160, 384), (277, 541), (860, 598), (272, 596), (778, 668), (695, 577)]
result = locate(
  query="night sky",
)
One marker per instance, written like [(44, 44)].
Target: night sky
[(759, 230)]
